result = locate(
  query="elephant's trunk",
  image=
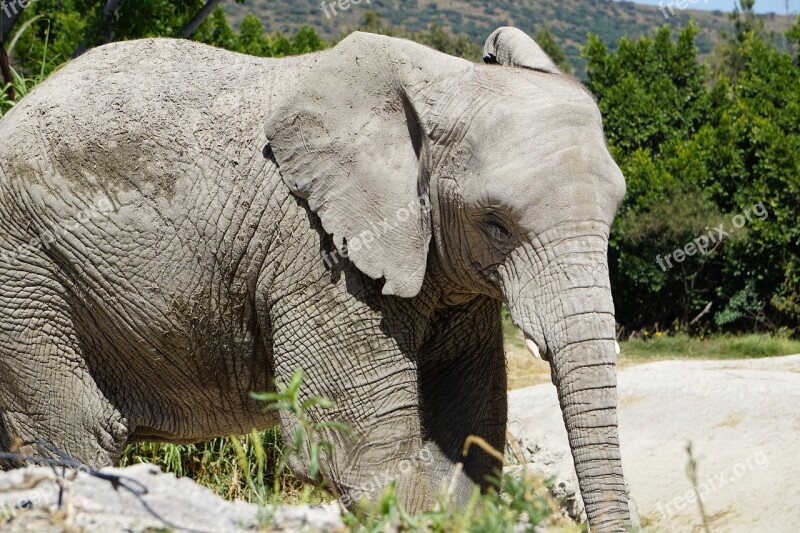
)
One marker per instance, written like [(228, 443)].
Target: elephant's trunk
[(584, 374), (568, 311)]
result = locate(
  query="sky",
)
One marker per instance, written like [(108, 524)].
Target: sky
[(762, 6)]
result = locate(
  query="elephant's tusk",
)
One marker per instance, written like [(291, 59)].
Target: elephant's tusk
[(616, 347), (533, 348)]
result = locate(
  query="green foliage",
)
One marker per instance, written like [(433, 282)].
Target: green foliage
[(65, 26), (746, 25), (22, 85), (547, 41), (235, 467), (698, 150), (641, 86), (253, 40), (793, 36)]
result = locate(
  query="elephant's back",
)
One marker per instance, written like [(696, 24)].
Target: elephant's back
[(169, 131), (139, 169), (125, 106)]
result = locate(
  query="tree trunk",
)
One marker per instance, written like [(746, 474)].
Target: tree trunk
[(198, 19), (106, 28), (5, 69), (9, 14)]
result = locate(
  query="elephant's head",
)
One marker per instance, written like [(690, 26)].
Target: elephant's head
[(495, 176)]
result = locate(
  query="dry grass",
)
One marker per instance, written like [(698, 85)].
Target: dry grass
[(524, 370)]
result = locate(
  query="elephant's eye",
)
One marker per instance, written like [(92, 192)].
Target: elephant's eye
[(497, 230)]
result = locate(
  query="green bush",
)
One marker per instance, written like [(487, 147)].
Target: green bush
[(697, 151)]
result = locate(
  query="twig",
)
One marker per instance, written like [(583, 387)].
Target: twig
[(691, 472), (704, 312), (5, 70)]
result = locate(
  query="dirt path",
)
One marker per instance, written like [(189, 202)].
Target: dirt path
[(742, 417)]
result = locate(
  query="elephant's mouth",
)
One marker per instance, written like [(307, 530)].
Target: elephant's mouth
[(544, 355)]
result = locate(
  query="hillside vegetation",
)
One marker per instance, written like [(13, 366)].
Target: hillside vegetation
[(570, 20)]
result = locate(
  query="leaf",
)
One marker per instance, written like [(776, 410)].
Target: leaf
[(21, 30)]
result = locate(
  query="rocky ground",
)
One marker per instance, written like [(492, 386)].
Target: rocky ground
[(169, 504), (742, 418)]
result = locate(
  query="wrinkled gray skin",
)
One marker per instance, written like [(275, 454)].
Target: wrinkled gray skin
[(217, 271)]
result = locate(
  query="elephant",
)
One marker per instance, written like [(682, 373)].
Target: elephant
[(184, 225)]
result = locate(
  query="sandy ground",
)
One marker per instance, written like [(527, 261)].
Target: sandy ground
[(742, 418)]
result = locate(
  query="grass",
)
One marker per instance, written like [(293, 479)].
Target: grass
[(716, 347), (245, 467)]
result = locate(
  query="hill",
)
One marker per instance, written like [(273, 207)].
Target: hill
[(570, 20)]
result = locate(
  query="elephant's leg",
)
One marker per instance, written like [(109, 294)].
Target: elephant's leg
[(358, 349), (463, 389), (46, 390)]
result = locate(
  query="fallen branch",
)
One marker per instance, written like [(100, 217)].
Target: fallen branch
[(704, 312)]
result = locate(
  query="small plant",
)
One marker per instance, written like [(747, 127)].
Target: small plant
[(234, 467), (307, 432)]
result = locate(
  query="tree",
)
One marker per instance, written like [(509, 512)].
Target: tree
[(547, 41), (5, 70), (747, 23), (699, 151), (253, 40), (191, 27), (793, 36), (70, 27), (105, 27)]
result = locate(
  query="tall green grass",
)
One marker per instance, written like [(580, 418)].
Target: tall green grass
[(244, 467)]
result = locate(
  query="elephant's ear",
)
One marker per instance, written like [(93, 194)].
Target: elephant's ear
[(349, 139), (512, 47)]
